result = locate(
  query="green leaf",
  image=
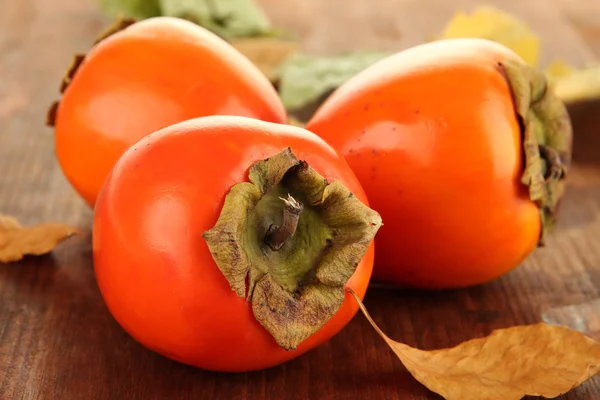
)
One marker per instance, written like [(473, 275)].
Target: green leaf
[(138, 9), (226, 18), (304, 78)]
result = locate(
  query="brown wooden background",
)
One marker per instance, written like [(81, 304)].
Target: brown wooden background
[(57, 340)]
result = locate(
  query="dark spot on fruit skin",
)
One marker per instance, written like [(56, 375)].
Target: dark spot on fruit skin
[(393, 128), (358, 140), (350, 150), (375, 152), (400, 191), (367, 106), (373, 169), (363, 132), (417, 112), (347, 113), (381, 104)]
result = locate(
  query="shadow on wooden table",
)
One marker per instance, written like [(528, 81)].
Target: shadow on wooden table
[(585, 117)]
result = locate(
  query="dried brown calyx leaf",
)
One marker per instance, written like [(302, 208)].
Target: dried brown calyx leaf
[(547, 138), (288, 241), (535, 360), (17, 241)]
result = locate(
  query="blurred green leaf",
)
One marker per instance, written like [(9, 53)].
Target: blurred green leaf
[(304, 78), (226, 18), (138, 9)]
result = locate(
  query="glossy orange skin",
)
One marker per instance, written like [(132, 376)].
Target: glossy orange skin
[(153, 267), (432, 135), (153, 74)]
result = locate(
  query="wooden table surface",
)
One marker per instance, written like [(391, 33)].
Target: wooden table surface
[(57, 339)]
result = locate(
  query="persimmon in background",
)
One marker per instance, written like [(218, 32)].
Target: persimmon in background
[(146, 76), (462, 149)]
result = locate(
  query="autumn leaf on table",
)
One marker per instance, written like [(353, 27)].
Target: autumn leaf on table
[(574, 84), (535, 360), (17, 241), (498, 26)]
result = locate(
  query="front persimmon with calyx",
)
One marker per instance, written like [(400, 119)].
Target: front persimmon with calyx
[(228, 243), (463, 150), (143, 76)]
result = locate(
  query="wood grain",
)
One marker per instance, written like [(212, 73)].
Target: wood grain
[(57, 339)]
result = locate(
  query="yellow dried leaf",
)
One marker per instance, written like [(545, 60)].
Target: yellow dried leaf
[(536, 360), (17, 241), (266, 53), (558, 69), (571, 84), (498, 26)]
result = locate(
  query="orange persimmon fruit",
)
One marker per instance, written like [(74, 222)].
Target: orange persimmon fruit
[(228, 243), (462, 148), (143, 76)]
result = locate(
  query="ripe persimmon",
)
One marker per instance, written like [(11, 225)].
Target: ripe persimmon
[(143, 76), (462, 148), (229, 243)]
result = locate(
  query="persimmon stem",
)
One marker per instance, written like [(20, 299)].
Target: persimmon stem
[(277, 235)]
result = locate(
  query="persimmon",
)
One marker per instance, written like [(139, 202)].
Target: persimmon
[(143, 76), (228, 243), (463, 150)]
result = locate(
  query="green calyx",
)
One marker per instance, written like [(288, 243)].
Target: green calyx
[(547, 138), (288, 241)]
